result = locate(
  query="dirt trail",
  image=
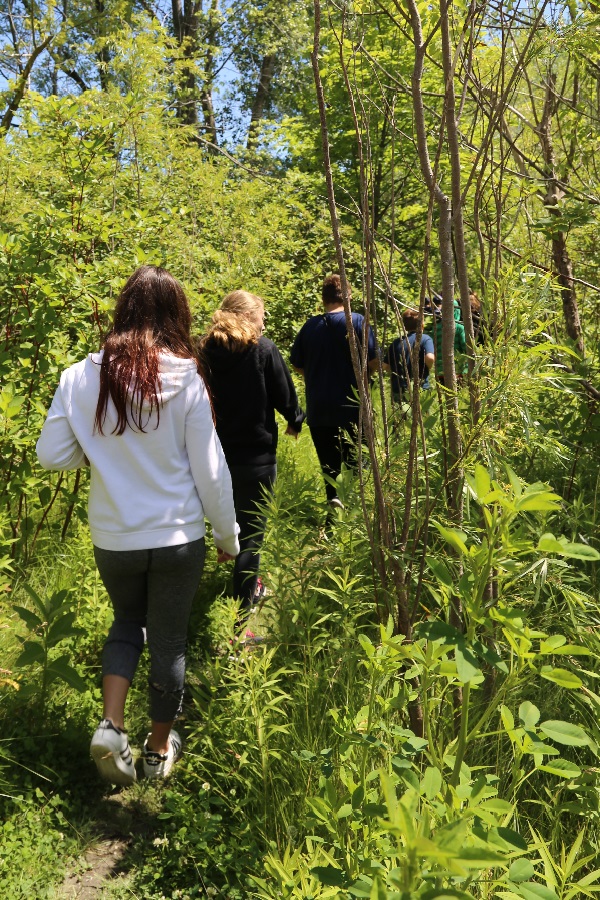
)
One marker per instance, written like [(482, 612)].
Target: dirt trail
[(120, 819), (99, 865)]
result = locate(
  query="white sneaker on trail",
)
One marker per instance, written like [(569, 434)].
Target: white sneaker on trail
[(158, 765), (111, 752)]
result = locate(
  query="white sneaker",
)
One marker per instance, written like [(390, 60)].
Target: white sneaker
[(111, 752), (158, 765)]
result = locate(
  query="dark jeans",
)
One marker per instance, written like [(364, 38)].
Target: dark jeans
[(335, 444), (151, 592), (251, 486)]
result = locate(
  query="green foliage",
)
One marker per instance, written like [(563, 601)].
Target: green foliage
[(49, 623)]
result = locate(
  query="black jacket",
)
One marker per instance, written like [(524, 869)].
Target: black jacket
[(247, 387)]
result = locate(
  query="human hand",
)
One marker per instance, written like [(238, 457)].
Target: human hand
[(222, 556), (292, 432)]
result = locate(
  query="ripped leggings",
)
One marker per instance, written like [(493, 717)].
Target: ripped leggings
[(151, 592)]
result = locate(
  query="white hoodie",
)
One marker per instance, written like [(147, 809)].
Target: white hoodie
[(149, 489)]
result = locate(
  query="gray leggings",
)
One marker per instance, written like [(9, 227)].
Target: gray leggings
[(151, 592)]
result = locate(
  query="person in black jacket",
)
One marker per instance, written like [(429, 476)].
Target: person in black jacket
[(249, 381)]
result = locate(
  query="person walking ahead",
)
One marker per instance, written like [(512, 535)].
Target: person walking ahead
[(321, 353), (398, 359), (249, 381), (138, 412)]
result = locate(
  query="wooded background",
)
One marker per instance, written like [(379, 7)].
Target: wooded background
[(414, 147)]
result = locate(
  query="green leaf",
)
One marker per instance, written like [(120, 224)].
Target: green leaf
[(531, 890), (32, 653), (552, 643), (529, 714), (378, 890), (521, 870), (61, 629), (360, 889), (479, 857), (565, 733), (445, 894), (507, 718), (564, 768), (31, 620), (440, 571), (437, 630), (541, 501), (454, 537), (467, 665), (549, 544), (512, 837), (358, 797), (62, 669), (483, 482), (562, 677), (514, 479), (37, 600), (571, 650), (329, 875), (431, 782)]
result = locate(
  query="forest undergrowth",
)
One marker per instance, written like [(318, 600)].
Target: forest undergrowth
[(302, 776)]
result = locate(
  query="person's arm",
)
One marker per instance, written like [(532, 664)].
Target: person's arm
[(57, 447), (297, 356), (281, 391), (429, 351), (210, 472)]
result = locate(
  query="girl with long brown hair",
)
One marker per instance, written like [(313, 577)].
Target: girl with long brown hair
[(139, 414)]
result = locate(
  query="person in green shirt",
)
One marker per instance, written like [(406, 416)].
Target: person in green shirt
[(460, 345)]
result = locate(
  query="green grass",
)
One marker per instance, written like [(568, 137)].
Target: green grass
[(279, 740)]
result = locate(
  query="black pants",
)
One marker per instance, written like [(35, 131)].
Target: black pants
[(250, 487), (335, 444)]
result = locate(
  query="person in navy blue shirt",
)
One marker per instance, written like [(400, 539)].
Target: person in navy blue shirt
[(321, 353), (398, 359)]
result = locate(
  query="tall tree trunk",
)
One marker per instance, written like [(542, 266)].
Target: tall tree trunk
[(177, 19), (563, 265), (447, 265), (263, 90), (210, 125), (103, 54), (457, 203), (189, 44)]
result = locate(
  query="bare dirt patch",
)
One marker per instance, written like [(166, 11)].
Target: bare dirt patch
[(100, 864)]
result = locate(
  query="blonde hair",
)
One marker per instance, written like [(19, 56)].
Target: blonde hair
[(236, 323)]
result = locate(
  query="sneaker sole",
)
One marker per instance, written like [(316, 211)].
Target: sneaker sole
[(107, 763)]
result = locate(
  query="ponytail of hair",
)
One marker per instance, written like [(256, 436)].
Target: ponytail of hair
[(237, 323)]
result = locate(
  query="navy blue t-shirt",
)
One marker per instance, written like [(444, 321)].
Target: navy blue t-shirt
[(399, 360), (322, 350)]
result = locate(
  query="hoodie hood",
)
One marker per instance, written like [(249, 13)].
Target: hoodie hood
[(176, 374), (220, 358)]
